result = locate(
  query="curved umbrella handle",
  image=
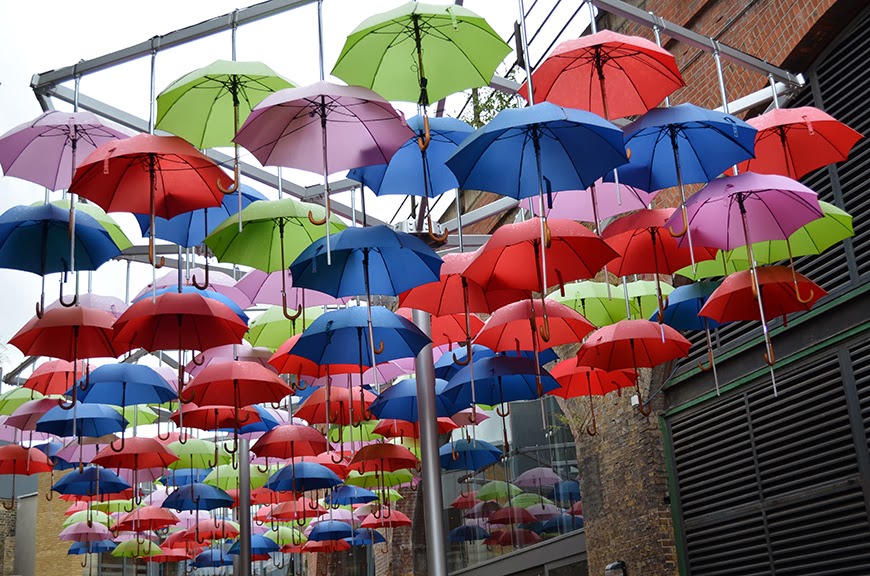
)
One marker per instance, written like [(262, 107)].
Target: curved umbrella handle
[(561, 283), (63, 302), (770, 359), (151, 257), (10, 506), (334, 461), (162, 437), (435, 237), (199, 362), (414, 487), (182, 438), (292, 317), (86, 383), (544, 329), (322, 221), (300, 384), (380, 348), (506, 412), (640, 407), (72, 403), (453, 453), (183, 398), (275, 561), (84, 562), (592, 429), (709, 366), (121, 449), (797, 293), (685, 224), (310, 502), (467, 355), (40, 307), (548, 237), (235, 185), (423, 141), (205, 284)]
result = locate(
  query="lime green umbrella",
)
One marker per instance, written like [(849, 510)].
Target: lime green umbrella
[(84, 516), (391, 495), (421, 52), (371, 480), (271, 328), (136, 548), (115, 233), (226, 477), (643, 298), (12, 399), (526, 499), (137, 415), (497, 490), (112, 506), (284, 535), (361, 433), (722, 265), (594, 302), (196, 453)]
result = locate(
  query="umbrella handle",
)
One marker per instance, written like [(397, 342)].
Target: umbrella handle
[(64, 303), (40, 307), (685, 225), (151, 257), (592, 429), (205, 284), (121, 449), (315, 221), (10, 506), (64, 405), (467, 356), (276, 564), (310, 502), (334, 461), (86, 383), (709, 366), (380, 348), (544, 329), (414, 487), (201, 360), (548, 237), (506, 412), (235, 184), (162, 437), (432, 235), (84, 561), (423, 141), (325, 570), (770, 359), (797, 293), (184, 399), (287, 315), (300, 384), (453, 453), (561, 283), (640, 407)]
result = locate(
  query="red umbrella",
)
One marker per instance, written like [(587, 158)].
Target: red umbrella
[(289, 441), (297, 509), (512, 515), (136, 454), (379, 458), (632, 344), (326, 459), (146, 518), (465, 501), (733, 300), (513, 537), (610, 74), (69, 334), (213, 417), (514, 327), (450, 328), (577, 380), (345, 405), (390, 428), (156, 175), (796, 141), (55, 376), (209, 529), (395, 520), (576, 509), (262, 496), (326, 546), (18, 460), (169, 555)]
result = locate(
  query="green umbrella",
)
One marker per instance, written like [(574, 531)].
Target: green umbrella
[(113, 228), (361, 433), (372, 480), (136, 548), (497, 490), (112, 506), (271, 328), (226, 477), (85, 516), (12, 399), (722, 265), (643, 298), (594, 301), (137, 415), (421, 52), (526, 499), (284, 535), (196, 453)]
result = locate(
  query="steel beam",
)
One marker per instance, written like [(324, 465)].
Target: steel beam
[(698, 41)]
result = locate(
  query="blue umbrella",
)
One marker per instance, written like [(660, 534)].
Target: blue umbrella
[(125, 384), (82, 420), (197, 497), (50, 449), (415, 173), (346, 495), (522, 148), (562, 524), (446, 368), (259, 545), (467, 533), (330, 530), (681, 313), (567, 492), (399, 401), (266, 423), (212, 558), (37, 239), (205, 293), (185, 476), (95, 547), (191, 228), (341, 337), (302, 476), (90, 481), (468, 455), (365, 536)]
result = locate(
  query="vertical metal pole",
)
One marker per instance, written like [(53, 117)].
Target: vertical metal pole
[(773, 90), (720, 76), (320, 38), (524, 37), (244, 507), (280, 183), (593, 26), (151, 131), (657, 32), (433, 506)]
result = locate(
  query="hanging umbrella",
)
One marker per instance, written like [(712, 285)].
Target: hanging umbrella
[(611, 200), (183, 476), (55, 376), (136, 454), (375, 480), (465, 501), (330, 530), (198, 453), (213, 558), (643, 296), (263, 288), (577, 381), (284, 535), (382, 458), (562, 524), (399, 401), (468, 455), (82, 532), (146, 518), (511, 515), (592, 300), (539, 477), (466, 533), (610, 74), (283, 130), (15, 398), (259, 545), (92, 516), (112, 227), (366, 537), (242, 351), (112, 305), (37, 239), (722, 265), (197, 497), (795, 141), (27, 414), (213, 417), (327, 546), (391, 428), (219, 285), (301, 477), (79, 420), (346, 495), (289, 441), (271, 328), (448, 365), (567, 492), (169, 555), (632, 344), (514, 327), (91, 481), (448, 329), (498, 491), (18, 460)]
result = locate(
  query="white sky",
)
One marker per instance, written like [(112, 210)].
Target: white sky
[(41, 36)]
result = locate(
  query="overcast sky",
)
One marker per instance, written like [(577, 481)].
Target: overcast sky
[(41, 36)]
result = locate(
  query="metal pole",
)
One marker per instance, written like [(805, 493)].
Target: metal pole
[(593, 26), (773, 90), (657, 32), (244, 507), (433, 506)]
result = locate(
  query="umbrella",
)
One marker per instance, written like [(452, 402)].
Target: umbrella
[(577, 380), (497, 490), (146, 174), (467, 533), (146, 518), (567, 492), (301, 477), (562, 524), (328, 546), (263, 288), (112, 227), (55, 376), (346, 495), (271, 328), (741, 210), (643, 295), (450, 328), (593, 301), (37, 239), (446, 366), (610, 74), (214, 417), (198, 497), (212, 558), (198, 453), (183, 476), (283, 130), (399, 401), (632, 344), (15, 398), (511, 515), (376, 479), (289, 441), (83, 532), (260, 544), (468, 455), (366, 537), (18, 460), (610, 199), (92, 516), (219, 285), (465, 501), (90, 481), (330, 530), (514, 327), (539, 477), (94, 547), (90, 420), (229, 352), (136, 454), (513, 537), (795, 141)]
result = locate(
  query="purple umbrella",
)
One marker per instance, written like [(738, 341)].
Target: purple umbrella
[(143, 475), (146, 535), (741, 210), (245, 351), (294, 128), (263, 288), (12, 434), (544, 512), (82, 532), (611, 199), (541, 477), (385, 372), (217, 282), (47, 149), (186, 519), (110, 304)]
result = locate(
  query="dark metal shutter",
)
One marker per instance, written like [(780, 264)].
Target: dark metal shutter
[(771, 485)]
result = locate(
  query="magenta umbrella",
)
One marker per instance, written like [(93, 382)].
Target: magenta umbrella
[(612, 200), (217, 282), (226, 353), (324, 128), (263, 288), (85, 532)]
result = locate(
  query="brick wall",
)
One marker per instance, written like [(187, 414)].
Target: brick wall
[(51, 556), (7, 540)]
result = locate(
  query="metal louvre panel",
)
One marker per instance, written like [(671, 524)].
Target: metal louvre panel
[(860, 355)]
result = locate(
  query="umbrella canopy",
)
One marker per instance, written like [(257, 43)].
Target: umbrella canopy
[(607, 200), (260, 544), (346, 495), (382, 458), (136, 453), (68, 333), (497, 490), (592, 300), (237, 383), (537, 478), (84, 532), (453, 49), (214, 417), (125, 384), (290, 441), (136, 548), (577, 380), (567, 491), (514, 327), (569, 149), (90, 420), (342, 406), (795, 141), (243, 351), (610, 74), (497, 380), (367, 537), (15, 459), (15, 398), (55, 376), (399, 401), (263, 288), (467, 533), (302, 476), (271, 328), (413, 171), (562, 523), (146, 518), (330, 530), (197, 497), (95, 547), (197, 453), (212, 558), (91, 481), (391, 428), (219, 285), (468, 455), (511, 515), (47, 149)]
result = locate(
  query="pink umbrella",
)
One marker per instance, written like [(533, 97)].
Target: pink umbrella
[(145, 535), (245, 351), (75, 452), (82, 532), (144, 475), (464, 417), (354, 126), (110, 304), (339, 514), (612, 200), (217, 282), (541, 477), (12, 434), (28, 414), (385, 371), (544, 512), (186, 519), (263, 288)]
